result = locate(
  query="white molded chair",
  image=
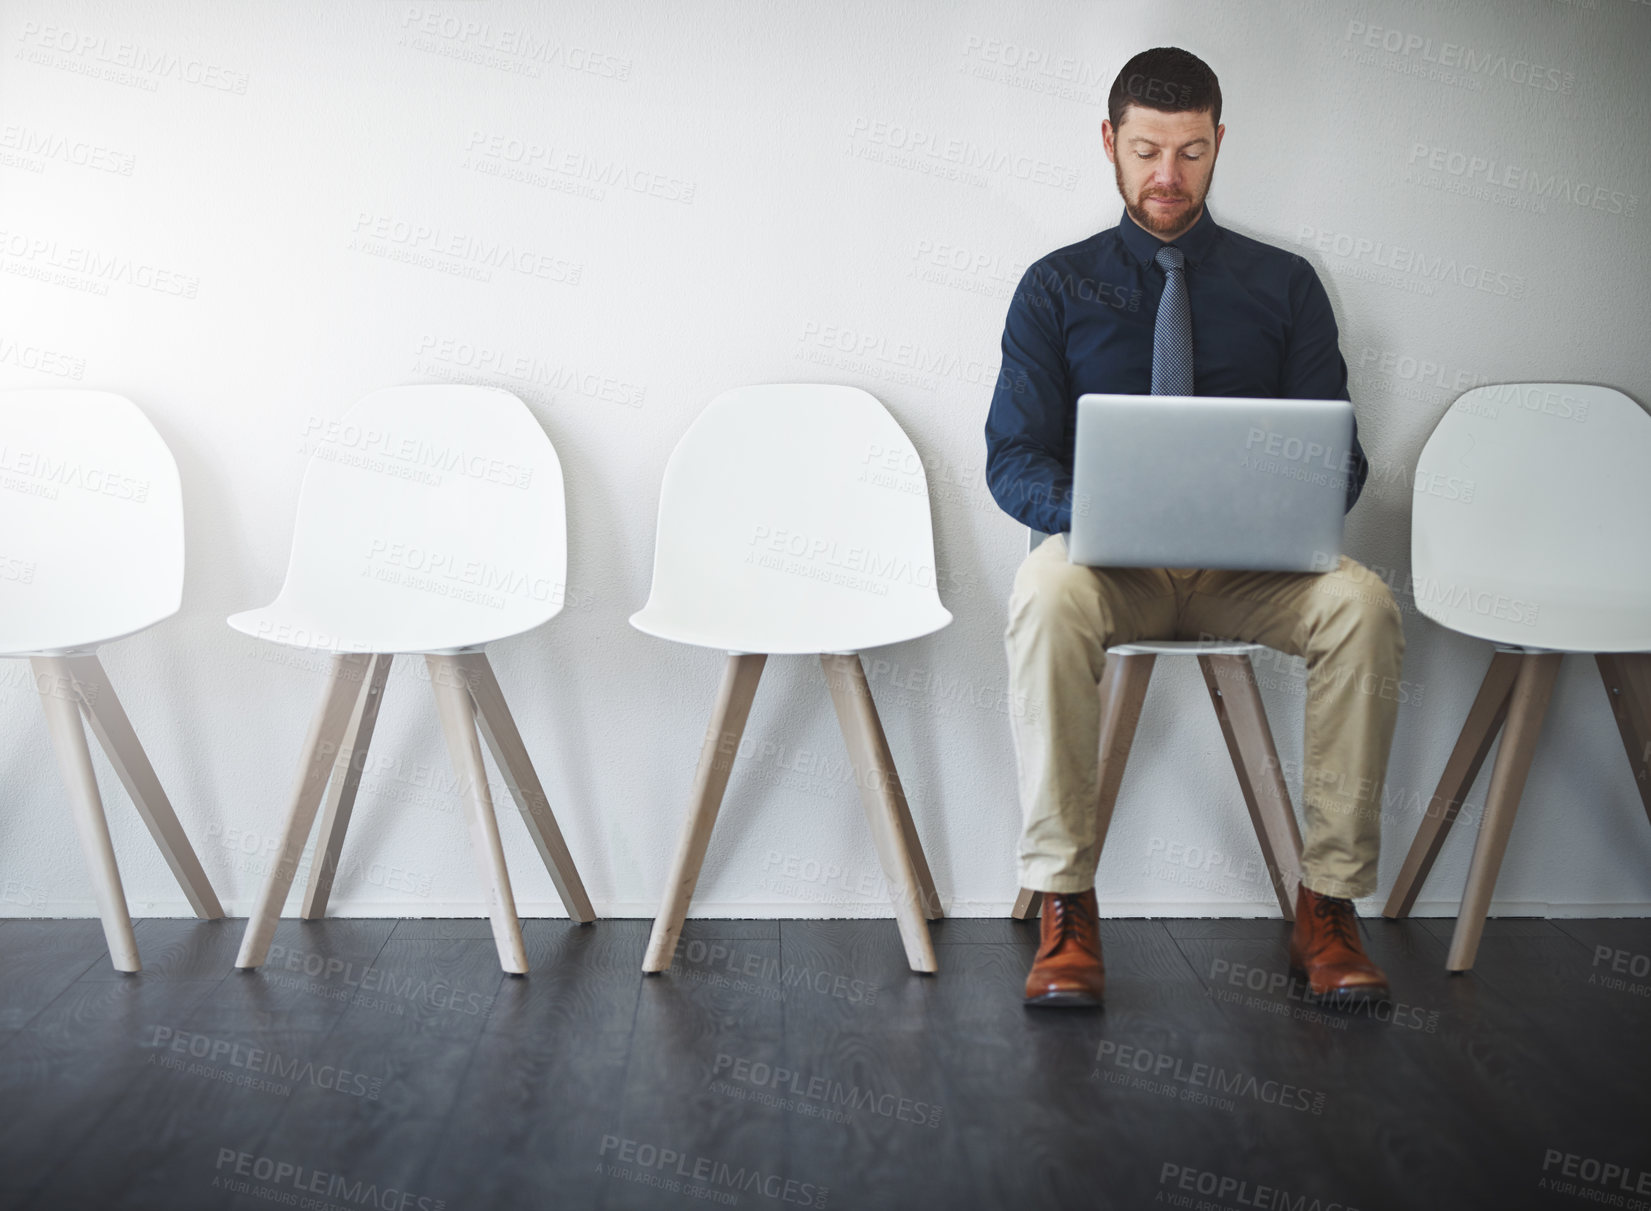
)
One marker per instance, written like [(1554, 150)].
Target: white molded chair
[(794, 518), (91, 550), (1230, 679), (1547, 557), (431, 521)]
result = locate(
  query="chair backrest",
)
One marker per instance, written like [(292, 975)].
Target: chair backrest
[(430, 517), (1531, 517), (91, 521), (794, 517)]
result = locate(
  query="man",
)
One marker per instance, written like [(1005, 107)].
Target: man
[(1117, 313)]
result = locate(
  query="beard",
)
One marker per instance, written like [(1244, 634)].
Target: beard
[(1161, 223)]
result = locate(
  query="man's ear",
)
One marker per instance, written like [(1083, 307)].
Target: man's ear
[(1109, 137)]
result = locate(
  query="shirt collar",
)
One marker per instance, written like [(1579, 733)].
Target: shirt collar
[(1196, 242)]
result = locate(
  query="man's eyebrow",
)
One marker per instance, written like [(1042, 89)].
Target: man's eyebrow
[(1153, 143)]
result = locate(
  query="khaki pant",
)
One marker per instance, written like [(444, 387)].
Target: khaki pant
[(1063, 617)]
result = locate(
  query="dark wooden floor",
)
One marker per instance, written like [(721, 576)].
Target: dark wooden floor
[(799, 1063)]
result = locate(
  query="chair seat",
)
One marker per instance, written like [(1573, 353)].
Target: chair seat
[(781, 637), (61, 645), (1185, 647), (1561, 619), (353, 626)]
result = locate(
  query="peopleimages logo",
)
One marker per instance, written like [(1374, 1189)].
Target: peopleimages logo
[(653, 1163), (1379, 254), (42, 360), (92, 268), (313, 1181), (335, 439), (1197, 1078), (451, 574), (1406, 368), (871, 348), (576, 164), (782, 975), (492, 44), (41, 474), (1242, 1191), (453, 359), (1487, 170), (251, 1060), (823, 1090), (139, 64), (1482, 602), (1604, 1175), (49, 145), (824, 558), (1453, 55), (476, 256), (874, 135)]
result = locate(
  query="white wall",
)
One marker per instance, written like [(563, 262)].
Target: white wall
[(226, 166)]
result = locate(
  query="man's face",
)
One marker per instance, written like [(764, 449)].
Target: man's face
[(1163, 162)]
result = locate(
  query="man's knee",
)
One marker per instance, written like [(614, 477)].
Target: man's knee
[(1051, 591), (1353, 604)]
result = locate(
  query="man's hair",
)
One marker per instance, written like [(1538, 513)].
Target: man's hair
[(1165, 78)]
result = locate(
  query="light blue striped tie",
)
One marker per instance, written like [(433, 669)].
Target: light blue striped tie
[(1172, 330)]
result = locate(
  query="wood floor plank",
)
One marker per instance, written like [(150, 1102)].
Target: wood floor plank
[(40, 959), (968, 931), (62, 1077), (863, 1112), (216, 1073), (1049, 1106), (547, 1073), (377, 1086), (314, 970), (1359, 1062), (180, 948), (718, 994), (586, 1084), (1227, 927), (1549, 988), (1495, 927), (851, 975)]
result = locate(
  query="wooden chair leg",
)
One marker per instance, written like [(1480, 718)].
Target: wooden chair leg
[(1639, 664), (1632, 711), (1532, 689), (107, 719), (1636, 667), (338, 700), (1479, 729), (1230, 681), (55, 681), (504, 740), (888, 777), (341, 789), (1123, 692), (879, 786), (716, 762), (930, 897), (458, 723)]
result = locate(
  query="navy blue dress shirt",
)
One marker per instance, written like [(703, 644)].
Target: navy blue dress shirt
[(1081, 321)]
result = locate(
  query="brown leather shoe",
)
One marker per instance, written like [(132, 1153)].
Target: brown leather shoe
[(1067, 974), (1326, 952)]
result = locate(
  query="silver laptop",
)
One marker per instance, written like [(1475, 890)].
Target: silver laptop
[(1197, 481)]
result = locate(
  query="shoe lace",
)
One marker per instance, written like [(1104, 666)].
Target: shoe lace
[(1338, 918), (1070, 914)]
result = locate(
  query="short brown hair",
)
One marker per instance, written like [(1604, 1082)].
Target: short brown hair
[(1165, 78)]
